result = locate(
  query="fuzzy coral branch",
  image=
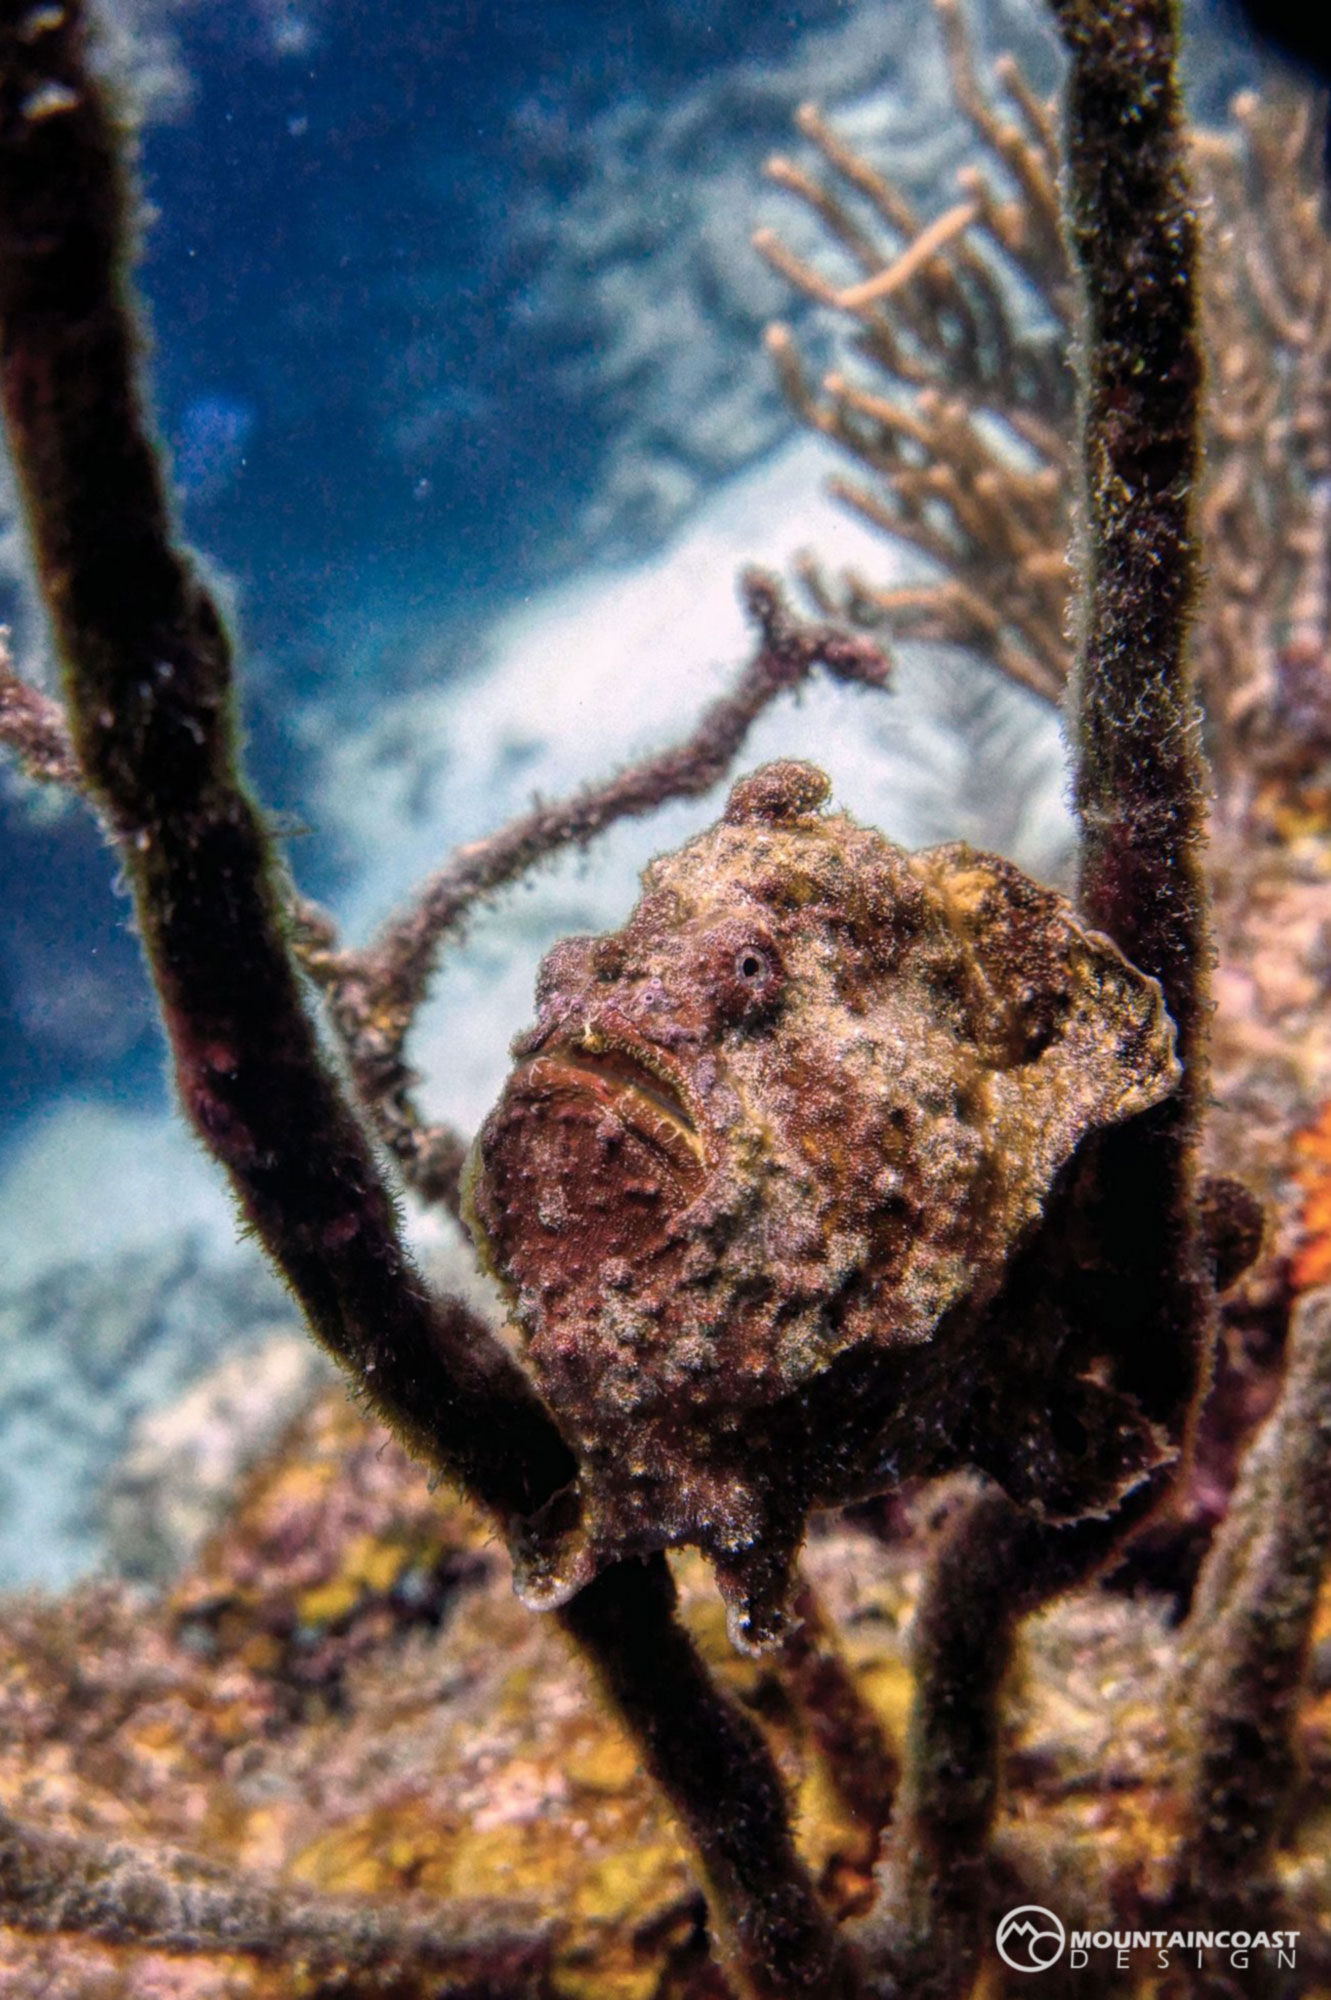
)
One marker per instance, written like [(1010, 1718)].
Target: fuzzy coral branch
[(147, 674), (993, 1565), (925, 1930), (177, 1904), (1139, 780), (845, 1728), (705, 1753), (375, 995), (1140, 792), (1247, 1641)]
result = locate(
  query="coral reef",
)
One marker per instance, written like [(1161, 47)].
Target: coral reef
[(176, 1481), (966, 426), (644, 290), (343, 1694), (834, 1164), (957, 412)]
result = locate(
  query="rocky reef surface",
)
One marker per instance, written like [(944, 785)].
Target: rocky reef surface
[(341, 1694)]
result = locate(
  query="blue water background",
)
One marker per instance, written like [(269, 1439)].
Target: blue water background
[(363, 424)]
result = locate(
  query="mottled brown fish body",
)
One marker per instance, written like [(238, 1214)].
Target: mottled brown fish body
[(804, 1106)]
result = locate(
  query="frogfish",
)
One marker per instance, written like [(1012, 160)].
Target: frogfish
[(762, 1180)]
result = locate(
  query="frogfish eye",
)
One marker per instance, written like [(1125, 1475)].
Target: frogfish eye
[(746, 972)]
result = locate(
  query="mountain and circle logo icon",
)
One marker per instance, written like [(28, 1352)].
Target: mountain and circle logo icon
[(1030, 1939)]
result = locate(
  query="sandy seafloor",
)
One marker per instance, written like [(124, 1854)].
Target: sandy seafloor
[(458, 357)]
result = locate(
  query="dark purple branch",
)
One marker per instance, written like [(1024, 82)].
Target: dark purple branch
[(147, 672)]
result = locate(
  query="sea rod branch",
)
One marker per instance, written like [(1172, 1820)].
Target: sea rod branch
[(712, 1762), (1139, 778), (147, 674), (53, 1884), (1249, 1636), (1139, 787)]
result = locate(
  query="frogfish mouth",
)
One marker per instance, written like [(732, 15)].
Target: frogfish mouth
[(766, 1173)]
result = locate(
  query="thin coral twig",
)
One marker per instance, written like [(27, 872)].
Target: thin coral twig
[(1038, 114), (927, 245), (1248, 1637), (374, 995)]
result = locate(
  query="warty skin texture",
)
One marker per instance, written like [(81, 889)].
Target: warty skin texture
[(762, 1170)]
